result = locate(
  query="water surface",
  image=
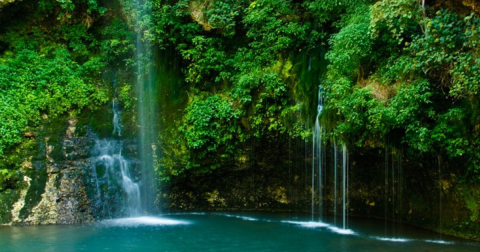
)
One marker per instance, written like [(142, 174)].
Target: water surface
[(226, 232)]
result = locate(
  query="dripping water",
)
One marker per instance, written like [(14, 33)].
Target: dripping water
[(385, 190), (317, 158), (347, 181), (393, 192), (305, 150), (440, 188), (335, 168), (340, 162), (344, 184), (340, 183), (393, 180)]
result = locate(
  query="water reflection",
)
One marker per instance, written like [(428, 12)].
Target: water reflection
[(224, 232)]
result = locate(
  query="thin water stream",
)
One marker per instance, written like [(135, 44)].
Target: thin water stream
[(318, 169), (318, 157)]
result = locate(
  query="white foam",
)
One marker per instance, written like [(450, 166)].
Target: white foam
[(314, 224), (197, 213), (392, 239), (341, 230), (240, 217), (188, 213), (439, 241), (143, 221), (308, 224)]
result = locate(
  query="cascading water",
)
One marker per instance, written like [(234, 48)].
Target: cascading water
[(113, 175), (127, 187), (114, 182)]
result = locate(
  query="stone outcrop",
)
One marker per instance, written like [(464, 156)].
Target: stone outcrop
[(61, 177), (197, 10)]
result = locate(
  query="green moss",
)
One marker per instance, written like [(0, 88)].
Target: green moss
[(7, 199), (39, 178), (471, 203), (310, 68)]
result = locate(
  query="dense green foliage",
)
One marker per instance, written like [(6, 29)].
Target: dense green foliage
[(51, 65), (394, 68), (247, 52), (211, 125)]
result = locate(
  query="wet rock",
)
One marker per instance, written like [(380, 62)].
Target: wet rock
[(62, 199), (71, 128)]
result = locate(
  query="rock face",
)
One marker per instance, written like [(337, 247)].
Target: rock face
[(57, 193), (197, 9), (271, 179), (63, 182), (63, 202)]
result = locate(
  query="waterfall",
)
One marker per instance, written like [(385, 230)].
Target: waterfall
[(339, 187), (112, 175), (147, 111), (393, 191), (114, 182), (317, 157), (344, 184), (340, 181), (117, 125), (125, 185)]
